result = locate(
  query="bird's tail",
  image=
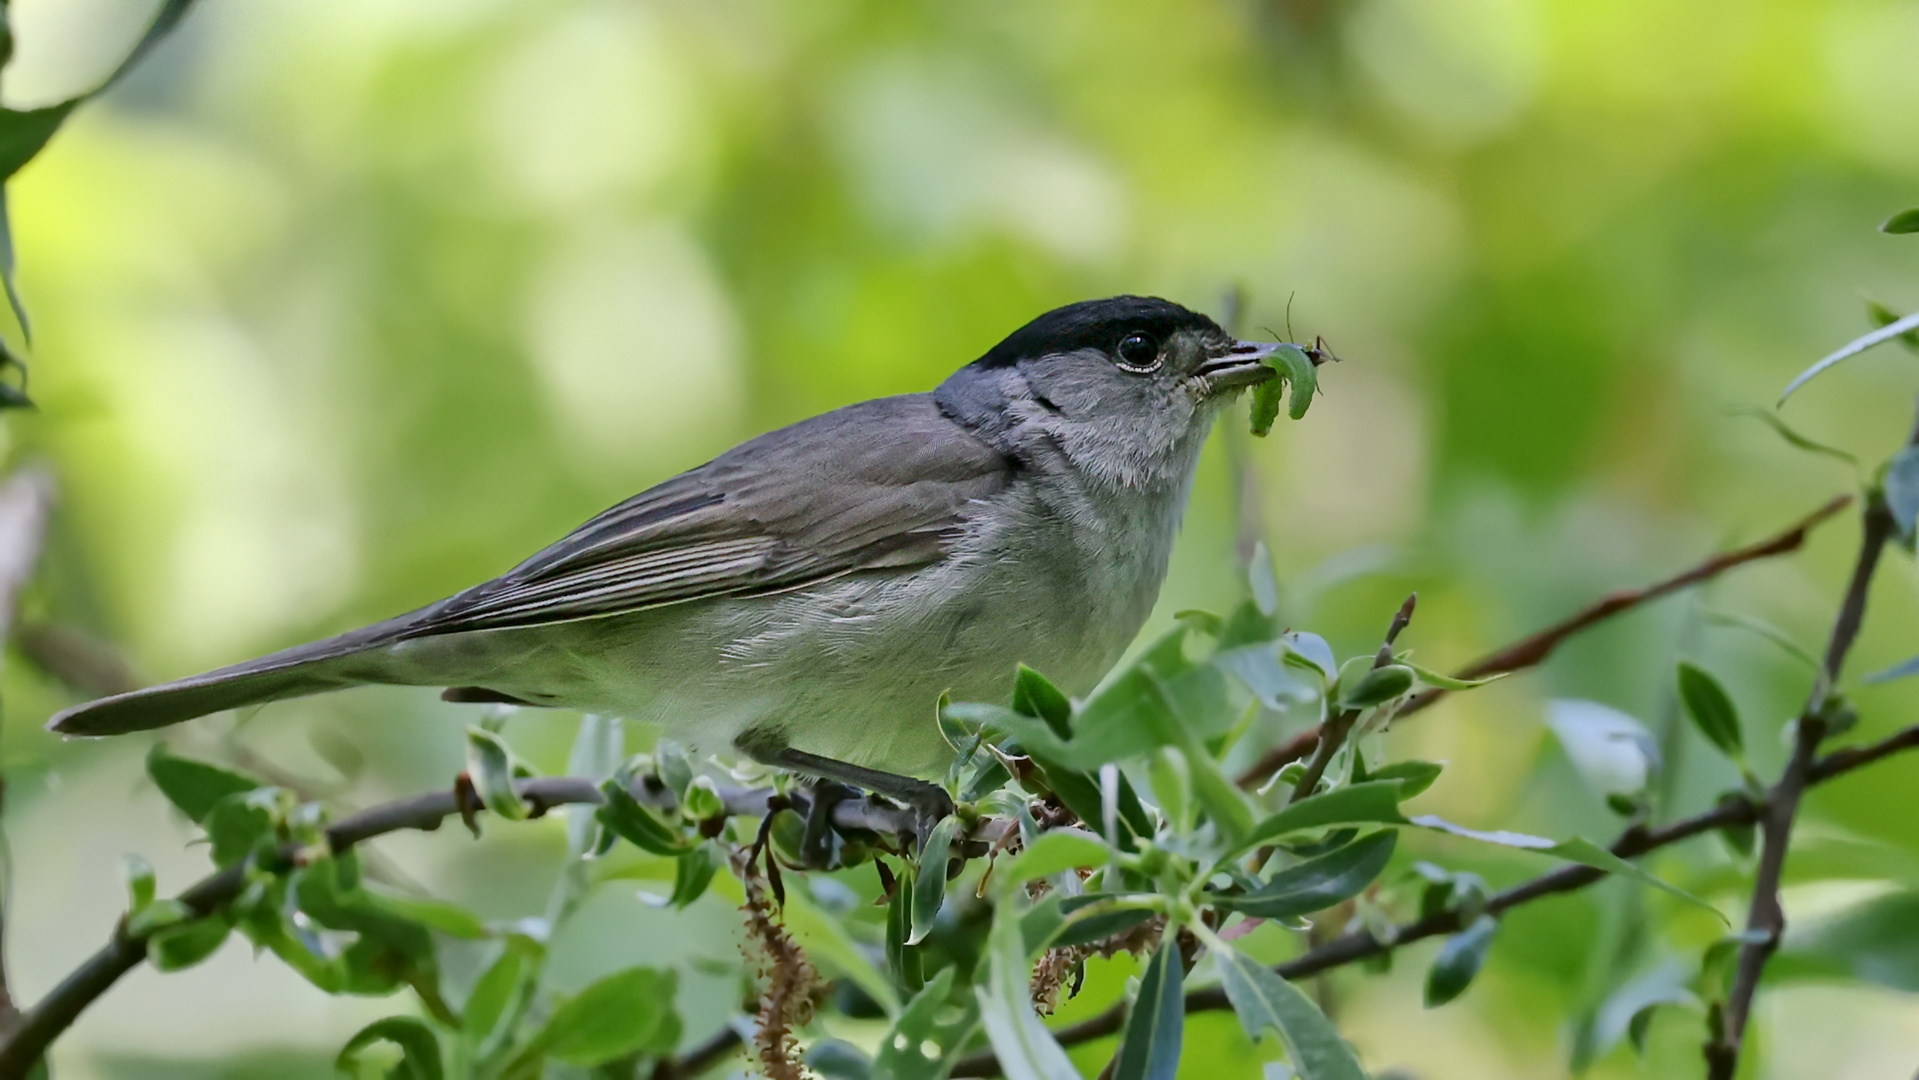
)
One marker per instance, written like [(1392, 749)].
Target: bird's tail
[(295, 672)]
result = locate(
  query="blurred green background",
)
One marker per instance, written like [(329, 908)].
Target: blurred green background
[(343, 306)]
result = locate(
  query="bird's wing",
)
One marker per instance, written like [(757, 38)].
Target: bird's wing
[(886, 483)]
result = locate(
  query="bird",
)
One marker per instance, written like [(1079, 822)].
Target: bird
[(806, 598)]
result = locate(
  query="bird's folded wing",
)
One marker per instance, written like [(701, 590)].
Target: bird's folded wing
[(885, 483)]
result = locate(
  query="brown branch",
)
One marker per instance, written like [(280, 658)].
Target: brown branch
[(722, 1045), (26, 505), (1533, 649), (1766, 916), (1360, 944), (38, 1026)]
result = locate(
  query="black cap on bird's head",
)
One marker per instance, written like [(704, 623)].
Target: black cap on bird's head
[(1139, 335)]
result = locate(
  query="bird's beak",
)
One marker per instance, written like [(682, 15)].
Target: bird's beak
[(1242, 365)]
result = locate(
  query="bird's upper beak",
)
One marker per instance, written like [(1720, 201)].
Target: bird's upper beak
[(1242, 365)]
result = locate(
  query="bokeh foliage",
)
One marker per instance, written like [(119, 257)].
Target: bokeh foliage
[(341, 307)]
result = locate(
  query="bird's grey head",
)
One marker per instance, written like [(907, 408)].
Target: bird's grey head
[(1125, 387)]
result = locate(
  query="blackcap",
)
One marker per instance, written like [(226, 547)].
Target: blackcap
[(806, 597)]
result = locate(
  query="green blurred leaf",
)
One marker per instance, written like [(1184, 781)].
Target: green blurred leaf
[(1577, 849), (1318, 883), (1905, 221), (702, 801), (1149, 1044), (1881, 315), (1875, 941), (903, 959), (837, 1059), (1459, 961), (927, 1024), (1354, 804), (929, 887), (178, 947), (1034, 696), (1850, 349), (1447, 682), (1765, 630), (627, 1012), (491, 766), (1026, 1050), (194, 786), (1263, 1000), (636, 823), (496, 990), (1096, 925), (692, 874), (1055, 850), (141, 886), (1414, 776), (1625, 1012), (1711, 710), (1792, 435), (241, 824), (826, 937), (419, 1047), (443, 915), (157, 916), (1377, 687), (1902, 489), (1171, 781)]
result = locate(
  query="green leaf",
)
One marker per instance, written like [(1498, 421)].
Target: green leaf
[(1264, 1000), (1765, 630), (837, 1059), (445, 916), (903, 959), (1881, 315), (194, 786), (692, 874), (1354, 804), (1034, 696), (178, 947), (1905, 221), (1577, 849), (701, 800), (1098, 926), (925, 1042), (241, 824), (1902, 489), (1171, 780), (1792, 435), (419, 1048), (1318, 883), (141, 886), (1459, 960), (495, 991), (1711, 709), (1149, 1045), (1377, 687), (491, 767), (157, 916), (624, 1013), (1026, 1050), (636, 823), (1850, 349), (1447, 682), (1414, 776), (1055, 850), (929, 888), (825, 937)]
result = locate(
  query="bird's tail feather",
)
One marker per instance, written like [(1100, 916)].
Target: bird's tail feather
[(295, 672)]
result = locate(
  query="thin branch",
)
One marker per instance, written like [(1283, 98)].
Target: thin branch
[(1360, 944), (1341, 724), (38, 1026), (724, 1043), (1533, 649), (1766, 916)]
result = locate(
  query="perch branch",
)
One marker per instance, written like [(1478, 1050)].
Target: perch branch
[(1533, 649)]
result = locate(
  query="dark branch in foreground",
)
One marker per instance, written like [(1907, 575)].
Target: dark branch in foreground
[(26, 504), (1533, 649), (1766, 917), (1361, 944), (38, 1026)]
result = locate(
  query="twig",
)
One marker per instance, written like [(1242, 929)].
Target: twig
[(26, 503), (1341, 724), (698, 1060), (1766, 916), (1533, 649), (38, 1026), (1360, 944)]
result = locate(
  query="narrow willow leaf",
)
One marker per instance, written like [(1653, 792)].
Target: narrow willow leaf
[(448, 918), (925, 1041), (1317, 883), (1262, 581), (1905, 221), (624, 1013), (419, 1048), (1171, 780), (1376, 687), (1711, 709), (1850, 349), (1792, 435), (903, 959), (1448, 682), (493, 993), (1765, 630), (1459, 960), (1054, 851), (636, 823), (1413, 776), (1035, 696), (489, 765), (1902, 489), (929, 888), (194, 786), (176, 948), (1354, 804), (1264, 1000), (692, 874), (1577, 849), (1025, 1049), (1149, 1046)]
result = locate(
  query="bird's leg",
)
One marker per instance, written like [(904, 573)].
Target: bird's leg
[(929, 802), (816, 843)]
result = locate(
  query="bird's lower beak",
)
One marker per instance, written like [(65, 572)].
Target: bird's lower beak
[(1241, 366)]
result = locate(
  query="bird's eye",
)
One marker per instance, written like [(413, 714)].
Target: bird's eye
[(1138, 352)]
